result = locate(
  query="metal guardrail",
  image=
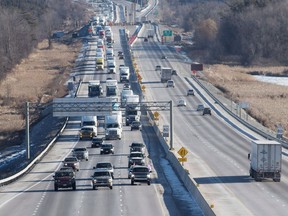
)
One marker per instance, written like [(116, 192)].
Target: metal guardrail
[(16, 176), (251, 127)]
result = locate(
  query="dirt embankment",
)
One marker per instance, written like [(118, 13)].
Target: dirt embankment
[(268, 102), (39, 78)]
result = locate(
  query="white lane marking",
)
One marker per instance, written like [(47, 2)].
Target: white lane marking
[(49, 176)]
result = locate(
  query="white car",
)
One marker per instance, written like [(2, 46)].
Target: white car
[(200, 107), (170, 83), (181, 102)]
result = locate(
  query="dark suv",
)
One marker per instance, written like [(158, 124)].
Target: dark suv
[(64, 179), (107, 148), (206, 110), (97, 142), (136, 125)]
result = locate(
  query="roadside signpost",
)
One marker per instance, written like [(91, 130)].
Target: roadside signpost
[(182, 152), (165, 130)]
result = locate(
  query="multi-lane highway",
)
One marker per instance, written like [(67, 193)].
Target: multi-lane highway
[(33, 194), (217, 158), (218, 153)]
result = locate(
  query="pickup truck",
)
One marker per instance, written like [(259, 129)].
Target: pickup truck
[(140, 174), (102, 179), (64, 179)]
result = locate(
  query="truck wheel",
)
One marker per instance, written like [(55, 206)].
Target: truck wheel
[(56, 187), (276, 180)]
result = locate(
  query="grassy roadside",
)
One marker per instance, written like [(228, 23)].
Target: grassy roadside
[(39, 78), (268, 102)]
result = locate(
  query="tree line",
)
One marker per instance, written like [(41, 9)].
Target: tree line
[(24, 23), (251, 30)]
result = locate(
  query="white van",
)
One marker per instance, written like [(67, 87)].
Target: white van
[(109, 52), (89, 121)]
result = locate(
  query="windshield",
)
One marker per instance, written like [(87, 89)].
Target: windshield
[(137, 145), (87, 129), (97, 174), (103, 165), (116, 125), (136, 155), (106, 146), (140, 169), (70, 160), (64, 174), (79, 149)]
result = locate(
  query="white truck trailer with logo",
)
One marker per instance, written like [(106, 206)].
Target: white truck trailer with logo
[(166, 74), (265, 160), (113, 125), (132, 109), (111, 88)]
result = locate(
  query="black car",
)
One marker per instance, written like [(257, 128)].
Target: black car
[(206, 110), (97, 142), (136, 125), (126, 86), (107, 148), (174, 72)]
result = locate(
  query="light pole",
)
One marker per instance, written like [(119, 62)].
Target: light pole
[(171, 125)]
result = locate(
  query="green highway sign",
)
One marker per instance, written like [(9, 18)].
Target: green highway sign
[(167, 33)]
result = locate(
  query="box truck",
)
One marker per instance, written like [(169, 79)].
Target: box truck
[(94, 88), (166, 74), (124, 73), (265, 160), (111, 88), (132, 109), (113, 125)]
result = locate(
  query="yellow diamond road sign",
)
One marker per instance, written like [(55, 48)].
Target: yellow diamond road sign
[(182, 152)]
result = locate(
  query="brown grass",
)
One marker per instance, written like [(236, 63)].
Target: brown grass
[(268, 102), (39, 78)]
